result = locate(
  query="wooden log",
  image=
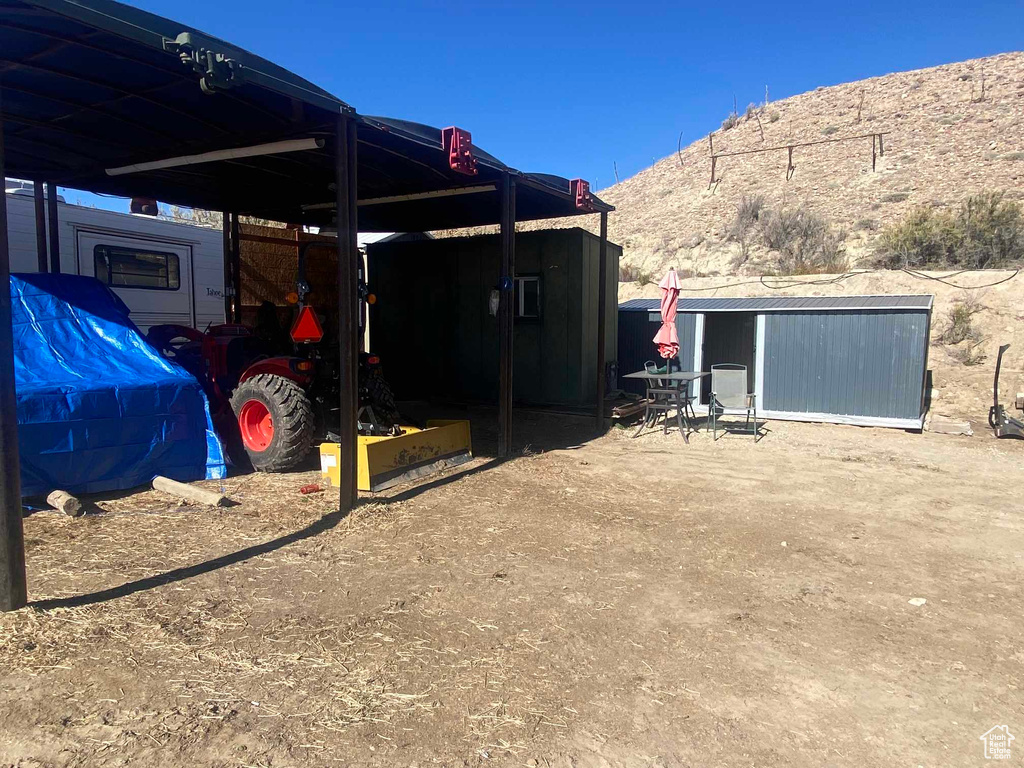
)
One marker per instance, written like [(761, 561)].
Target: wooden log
[(64, 502), (191, 492), (625, 411)]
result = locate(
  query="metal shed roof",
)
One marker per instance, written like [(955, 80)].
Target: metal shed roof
[(785, 303), (92, 85)]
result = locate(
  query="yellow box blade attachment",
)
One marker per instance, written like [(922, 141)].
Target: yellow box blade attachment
[(384, 462)]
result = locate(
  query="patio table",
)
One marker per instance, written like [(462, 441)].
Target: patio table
[(677, 382)]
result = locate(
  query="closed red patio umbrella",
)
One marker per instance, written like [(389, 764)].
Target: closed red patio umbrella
[(667, 337)]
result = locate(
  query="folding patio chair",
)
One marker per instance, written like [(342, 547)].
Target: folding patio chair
[(729, 396)]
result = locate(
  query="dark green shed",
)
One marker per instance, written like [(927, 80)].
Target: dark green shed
[(433, 327)]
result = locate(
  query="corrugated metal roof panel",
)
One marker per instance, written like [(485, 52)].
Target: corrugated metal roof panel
[(785, 303)]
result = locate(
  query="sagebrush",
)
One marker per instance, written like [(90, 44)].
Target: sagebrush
[(984, 231), (744, 226), (960, 334), (802, 241)]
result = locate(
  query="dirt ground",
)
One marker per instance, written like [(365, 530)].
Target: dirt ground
[(592, 602)]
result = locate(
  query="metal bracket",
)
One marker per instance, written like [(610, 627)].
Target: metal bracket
[(580, 189), (217, 71), (459, 146)]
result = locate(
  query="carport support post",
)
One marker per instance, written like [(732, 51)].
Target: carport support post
[(236, 270), (40, 203), (345, 159), (602, 318), (506, 313), (51, 207), (13, 591), (226, 227)]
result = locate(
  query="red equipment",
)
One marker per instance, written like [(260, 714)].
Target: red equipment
[(275, 405), (306, 327), (265, 396), (580, 189), (459, 146)]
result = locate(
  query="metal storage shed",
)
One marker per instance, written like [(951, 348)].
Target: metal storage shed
[(448, 281), (844, 359)]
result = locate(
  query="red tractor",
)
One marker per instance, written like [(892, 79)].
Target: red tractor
[(277, 406)]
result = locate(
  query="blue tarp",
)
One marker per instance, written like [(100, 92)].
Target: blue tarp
[(98, 408)]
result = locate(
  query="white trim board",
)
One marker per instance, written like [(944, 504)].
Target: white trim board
[(857, 421), (831, 418), (759, 359), (698, 353)]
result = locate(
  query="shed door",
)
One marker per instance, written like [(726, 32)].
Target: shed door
[(728, 338), (153, 278)]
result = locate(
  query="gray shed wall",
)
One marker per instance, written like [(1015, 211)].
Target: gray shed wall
[(869, 363), (636, 344)]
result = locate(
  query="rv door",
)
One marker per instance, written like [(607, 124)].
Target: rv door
[(153, 278)]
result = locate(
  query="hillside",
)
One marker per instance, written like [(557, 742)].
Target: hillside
[(945, 142)]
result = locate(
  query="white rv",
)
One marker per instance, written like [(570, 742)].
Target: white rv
[(166, 272)]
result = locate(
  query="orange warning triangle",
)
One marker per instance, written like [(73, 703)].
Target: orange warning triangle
[(306, 326)]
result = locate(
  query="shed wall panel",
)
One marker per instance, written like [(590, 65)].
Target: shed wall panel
[(868, 363), (636, 331), (433, 331), (635, 347), (526, 374), (575, 312), (553, 366), (588, 327)]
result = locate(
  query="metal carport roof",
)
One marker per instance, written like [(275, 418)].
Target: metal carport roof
[(90, 90), (785, 303), (91, 85)]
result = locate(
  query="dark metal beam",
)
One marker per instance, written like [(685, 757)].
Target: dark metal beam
[(40, 208), (51, 207), (145, 96), (346, 159), (176, 70), (236, 270), (75, 134), (506, 313), (602, 318), (13, 584), (226, 229), (138, 125), (42, 162)]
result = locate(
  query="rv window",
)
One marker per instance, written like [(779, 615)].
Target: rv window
[(136, 268), (528, 296)]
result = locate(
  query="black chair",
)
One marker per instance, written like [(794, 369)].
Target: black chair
[(663, 396)]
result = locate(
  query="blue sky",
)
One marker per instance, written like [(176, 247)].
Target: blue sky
[(569, 88)]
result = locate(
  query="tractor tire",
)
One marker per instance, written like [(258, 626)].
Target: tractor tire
[(275, 419), (380, 397)]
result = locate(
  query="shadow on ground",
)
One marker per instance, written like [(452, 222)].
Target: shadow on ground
[(535, 431)]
